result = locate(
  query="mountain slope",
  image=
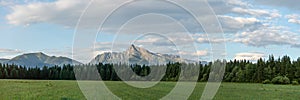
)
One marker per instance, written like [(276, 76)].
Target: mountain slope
[(136, 55), (3, 60), (40, 59)]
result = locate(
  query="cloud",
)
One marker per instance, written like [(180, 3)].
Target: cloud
[(238, 3), (256, 12), (67, 12), (266, 36), (236, 24), (293, 18), (65, 52), (290, 4), (198, 53), (203, 38), (64, 12), (6, 3), (251, 56), (236, 16), (9, 53), (207, 40), (201, 53), (250, 11)]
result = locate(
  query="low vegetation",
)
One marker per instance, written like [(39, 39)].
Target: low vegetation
[(69, 90)]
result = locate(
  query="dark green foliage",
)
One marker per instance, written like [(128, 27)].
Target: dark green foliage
[(279, 71), (295, 82), (281, 80), (267, 81), (84, 72)]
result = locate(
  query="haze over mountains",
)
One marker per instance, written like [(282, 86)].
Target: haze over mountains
[(133, 55)]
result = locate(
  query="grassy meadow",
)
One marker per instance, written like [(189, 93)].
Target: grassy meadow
[(69, 90)]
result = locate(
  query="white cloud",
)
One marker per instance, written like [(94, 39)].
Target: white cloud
[(6, 3), (246, 20), (238, 3), (203, 38), (9, 53), (266, 36), (201, 53), (256, 12), (207, 40), (251, 56), (67, 12), (293, 18), (249, 26), (198, 53), (64, 52), (63, 12), (235, 24), (275, 14), (290, 4)]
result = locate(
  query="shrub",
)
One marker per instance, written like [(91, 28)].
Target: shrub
[(277, 80), (281, 80), (286, 80), (295, 82), (266, 81)]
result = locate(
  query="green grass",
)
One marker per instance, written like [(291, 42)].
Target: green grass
[(39, 89), (69, 90)]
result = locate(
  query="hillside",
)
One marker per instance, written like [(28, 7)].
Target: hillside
[(40, 60)]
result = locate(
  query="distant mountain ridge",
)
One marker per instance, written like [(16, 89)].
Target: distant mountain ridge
[(40, 59), (137, 55), (3, 60), (133, 55)]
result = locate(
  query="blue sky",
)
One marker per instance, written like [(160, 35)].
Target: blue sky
[(252, 28)]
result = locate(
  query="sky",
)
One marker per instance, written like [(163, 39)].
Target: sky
[(251, 29)]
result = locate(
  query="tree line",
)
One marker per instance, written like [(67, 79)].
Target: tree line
[(85, 72), (278, 71)]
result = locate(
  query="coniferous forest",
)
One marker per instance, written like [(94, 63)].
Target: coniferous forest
[(277, 71)]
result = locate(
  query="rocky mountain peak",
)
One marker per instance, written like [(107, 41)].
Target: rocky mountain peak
[(136, 55), (133, 48)]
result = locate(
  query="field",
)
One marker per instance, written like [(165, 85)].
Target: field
[(68, 90)]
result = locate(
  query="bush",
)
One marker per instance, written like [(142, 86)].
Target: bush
[(286, 80), (277, 80), (281, 80), (295, 82), (266, 81)]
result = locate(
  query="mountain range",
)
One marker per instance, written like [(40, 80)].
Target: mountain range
[(137, 55), (39, 60), (133, 55)]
